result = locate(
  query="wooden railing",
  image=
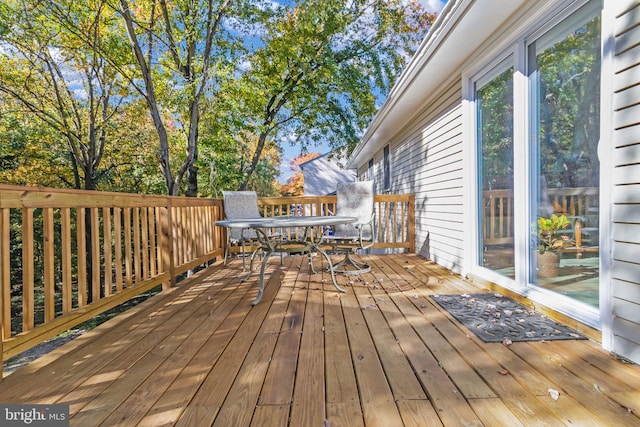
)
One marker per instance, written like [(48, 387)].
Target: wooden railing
[(498, 209), (394, 219), (67, 256)]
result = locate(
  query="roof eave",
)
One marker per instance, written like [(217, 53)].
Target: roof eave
[(461, 28)]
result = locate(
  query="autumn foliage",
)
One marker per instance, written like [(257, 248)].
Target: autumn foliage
[(295, 183)]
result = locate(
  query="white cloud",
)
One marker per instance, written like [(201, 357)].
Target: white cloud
[(433, 5)]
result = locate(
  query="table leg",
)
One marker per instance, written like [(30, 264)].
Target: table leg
[(311, 266), (261, 285), (253, 255)]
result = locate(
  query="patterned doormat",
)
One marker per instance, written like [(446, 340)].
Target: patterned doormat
[(496, 318)]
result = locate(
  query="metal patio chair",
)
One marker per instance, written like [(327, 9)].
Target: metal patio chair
[(353, 199), (241, 205)]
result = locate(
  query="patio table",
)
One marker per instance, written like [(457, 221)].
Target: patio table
[(281, 243)]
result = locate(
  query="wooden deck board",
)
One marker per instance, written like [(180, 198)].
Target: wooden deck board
[(222, 325), (398, 370), (443, 392), (590, 399), (280, 377), (377, 401), (381, 354), (169, 356), (208, 399), (343, 401), (520, 400), (308, 404)]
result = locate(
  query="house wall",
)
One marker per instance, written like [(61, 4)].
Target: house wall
[(625, 272), (426, 160), (323, 174), (431, 160)]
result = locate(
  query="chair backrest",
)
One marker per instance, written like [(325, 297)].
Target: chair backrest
[(355, 199), (240, 205)]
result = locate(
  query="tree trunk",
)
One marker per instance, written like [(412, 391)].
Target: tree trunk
[(192, 181), (254, 161), (150, 97)]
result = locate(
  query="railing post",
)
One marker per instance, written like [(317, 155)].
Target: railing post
[(5, 280), (411, 218), (166, 228)]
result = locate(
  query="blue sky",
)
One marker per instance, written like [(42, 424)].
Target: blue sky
[(290, 152)]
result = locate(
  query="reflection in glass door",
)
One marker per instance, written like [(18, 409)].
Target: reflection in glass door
[(494, 133), (564, 70)]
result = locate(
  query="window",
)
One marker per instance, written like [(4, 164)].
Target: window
[(494, 136), (387, 168), (544, 144), (564, 76), (371, 171)]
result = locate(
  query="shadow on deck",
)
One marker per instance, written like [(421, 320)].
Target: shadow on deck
[(382, 354)]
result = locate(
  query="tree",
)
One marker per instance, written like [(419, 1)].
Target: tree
[(225, 157), (320, 66), (169, 53), (569, 127), (72, 91), (309, 72), (175, 41), (30, 153), (295, 183)]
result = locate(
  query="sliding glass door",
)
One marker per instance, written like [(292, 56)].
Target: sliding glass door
[(564, 75), (553, 123)]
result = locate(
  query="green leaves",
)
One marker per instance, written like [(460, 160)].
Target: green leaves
[(320, 67), (226, 83), (548, 232)]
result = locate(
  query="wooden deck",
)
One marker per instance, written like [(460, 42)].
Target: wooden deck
[(382, 354)]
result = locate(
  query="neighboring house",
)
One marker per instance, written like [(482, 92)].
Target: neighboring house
[(515, 109), (324, 173)]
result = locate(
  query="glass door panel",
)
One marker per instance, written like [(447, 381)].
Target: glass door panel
[(494, 133), (564, 70)]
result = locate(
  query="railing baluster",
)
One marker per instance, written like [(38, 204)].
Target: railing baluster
[(137, 267), (5, 272), (117, 237), (108, 254), (27, 270), (128, 255), (67, 268), (49, 264), (95, 254), (82, 256), (159, 240), (153, 253), (144, 234)]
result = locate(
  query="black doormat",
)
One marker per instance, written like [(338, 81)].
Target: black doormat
[(496, 318)]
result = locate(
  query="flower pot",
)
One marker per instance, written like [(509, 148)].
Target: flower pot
[(548, 264)]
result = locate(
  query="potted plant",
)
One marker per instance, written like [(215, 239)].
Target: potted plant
[(551, 241)]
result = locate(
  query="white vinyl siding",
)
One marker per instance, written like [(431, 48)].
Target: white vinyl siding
[(625, 275), (323, 174), (427, 161)]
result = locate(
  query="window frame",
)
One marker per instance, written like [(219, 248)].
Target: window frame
[(386, 167)]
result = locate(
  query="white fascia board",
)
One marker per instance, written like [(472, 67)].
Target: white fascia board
[(458, 32)]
